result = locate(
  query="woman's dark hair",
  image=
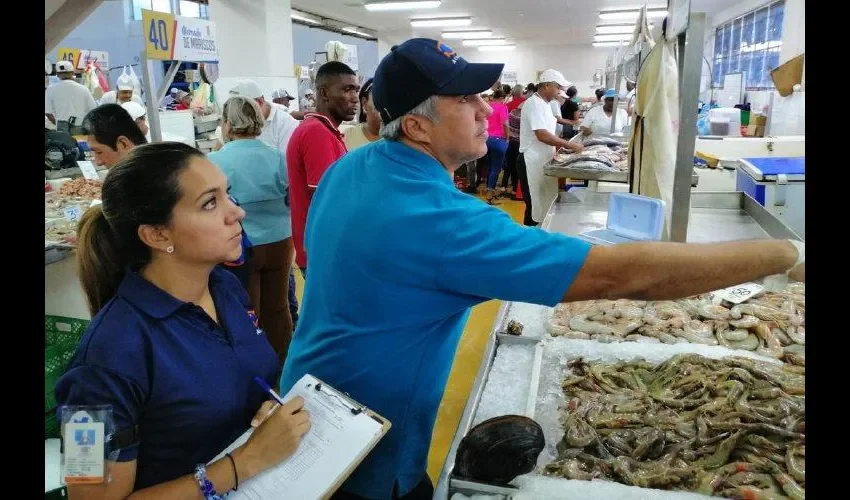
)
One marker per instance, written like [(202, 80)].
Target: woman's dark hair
[(531, 87), (506, 89), (365, 92), (108, 122), (599, 94), (142, 188), (499, 94), (572, 91)]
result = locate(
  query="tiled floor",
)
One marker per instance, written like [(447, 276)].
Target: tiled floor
[(465, 367)]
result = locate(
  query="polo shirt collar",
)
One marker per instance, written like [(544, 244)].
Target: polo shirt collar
[(326, 121), (151, 299), (400, 152)]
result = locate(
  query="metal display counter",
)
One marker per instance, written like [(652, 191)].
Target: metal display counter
[(714, 217)]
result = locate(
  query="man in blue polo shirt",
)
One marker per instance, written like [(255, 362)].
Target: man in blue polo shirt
[(396, 265)]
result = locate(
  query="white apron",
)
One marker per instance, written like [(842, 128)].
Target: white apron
[(543, 188)]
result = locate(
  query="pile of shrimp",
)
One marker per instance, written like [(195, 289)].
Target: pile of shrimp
[(731, 427), (772, 324)]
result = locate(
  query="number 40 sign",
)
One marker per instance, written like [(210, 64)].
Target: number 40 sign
[(176, 38)]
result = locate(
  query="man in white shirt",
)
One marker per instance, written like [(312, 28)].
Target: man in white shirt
[(279, 124), (67, 102), (123, 94), (537, 143), (597, 121)]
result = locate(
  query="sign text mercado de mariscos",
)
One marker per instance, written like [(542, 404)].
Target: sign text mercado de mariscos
[(177, 38)]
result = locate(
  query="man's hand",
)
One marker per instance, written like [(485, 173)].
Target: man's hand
[(586, 131)]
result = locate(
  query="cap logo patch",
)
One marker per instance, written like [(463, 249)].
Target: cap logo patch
[(447, 51)]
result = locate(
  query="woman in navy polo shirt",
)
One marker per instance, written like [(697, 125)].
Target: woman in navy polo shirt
[(174, 344)]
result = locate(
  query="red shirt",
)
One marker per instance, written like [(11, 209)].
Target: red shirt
[(515, 102), (314, 146)]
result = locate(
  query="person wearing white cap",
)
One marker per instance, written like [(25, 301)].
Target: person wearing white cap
[(139, 114), (67, 102), (282, 97), (537, 143), (278, 126), (123, 94)]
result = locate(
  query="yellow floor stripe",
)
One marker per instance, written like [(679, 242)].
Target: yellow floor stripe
[(465, 368)]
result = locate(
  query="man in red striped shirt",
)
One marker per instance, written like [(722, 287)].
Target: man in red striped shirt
[(317, 143)]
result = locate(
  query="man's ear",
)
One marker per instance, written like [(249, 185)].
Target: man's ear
[(417, 128)]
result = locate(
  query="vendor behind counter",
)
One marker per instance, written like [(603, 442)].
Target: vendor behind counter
[(597, 121)]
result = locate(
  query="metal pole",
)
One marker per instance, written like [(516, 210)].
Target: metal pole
[(617, 80), (153, 101), (167, 79), (690, 69)]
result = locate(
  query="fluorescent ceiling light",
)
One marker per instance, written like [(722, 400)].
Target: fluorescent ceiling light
[(630, 15), (490, 41), (306, 18), (494, 48), (616, 29), (608, 44), (437, 22), (467, 35), (612, 38), (403, 5), (354, 30)]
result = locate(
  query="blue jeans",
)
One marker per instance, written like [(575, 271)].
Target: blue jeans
[(495, 158)]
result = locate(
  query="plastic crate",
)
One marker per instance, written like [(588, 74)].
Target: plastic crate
[(61, 336)]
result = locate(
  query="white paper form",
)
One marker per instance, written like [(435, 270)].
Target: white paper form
[(337, 439)]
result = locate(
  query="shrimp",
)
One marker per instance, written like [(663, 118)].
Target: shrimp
[(764, 332), (580, 323), (782, 336), (695, 339), (797, 334), (735, 335), (746, 322), (761, 312)]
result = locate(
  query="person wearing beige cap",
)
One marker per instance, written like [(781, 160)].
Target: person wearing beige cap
[(124, 93), (67, 102), (537, 145)]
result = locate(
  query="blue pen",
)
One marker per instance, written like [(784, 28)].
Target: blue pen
[(262, 383)]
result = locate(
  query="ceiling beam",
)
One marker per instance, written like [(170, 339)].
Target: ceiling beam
[(67, 17)]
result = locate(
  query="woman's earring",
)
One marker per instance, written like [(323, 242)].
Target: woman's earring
[(170, 249)]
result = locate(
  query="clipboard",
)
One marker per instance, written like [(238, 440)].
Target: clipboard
[(342, 434)]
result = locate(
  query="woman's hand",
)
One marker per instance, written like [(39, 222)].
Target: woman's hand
[(264, 412), (275, 439)]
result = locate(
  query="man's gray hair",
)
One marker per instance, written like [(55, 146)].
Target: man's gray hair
[(427, 108), (517, 90)]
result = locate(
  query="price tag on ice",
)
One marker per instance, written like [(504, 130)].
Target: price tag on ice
[(738, 293), (73, 213), (89, 171)]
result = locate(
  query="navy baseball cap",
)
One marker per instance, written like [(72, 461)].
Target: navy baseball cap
[(420, 68)]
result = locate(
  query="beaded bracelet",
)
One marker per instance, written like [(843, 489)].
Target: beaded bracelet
[(207, 488)]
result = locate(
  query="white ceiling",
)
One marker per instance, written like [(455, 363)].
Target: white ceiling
[(527, 22)]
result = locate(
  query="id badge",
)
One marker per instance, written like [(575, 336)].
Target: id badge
[(84, 450)]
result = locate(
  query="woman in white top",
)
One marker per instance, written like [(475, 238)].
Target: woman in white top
[(537, 143), (598, 120)]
